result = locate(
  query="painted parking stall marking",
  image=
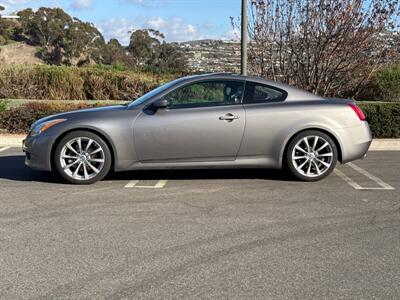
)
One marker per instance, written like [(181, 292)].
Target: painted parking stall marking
[(134, 184), (382, 185), (2, 149), (131, 184), (348, 180), (380, 182)]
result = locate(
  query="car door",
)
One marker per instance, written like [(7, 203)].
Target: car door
[(266, 116), (203, 121)]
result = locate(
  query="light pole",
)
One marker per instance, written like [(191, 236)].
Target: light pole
[(244, 39)]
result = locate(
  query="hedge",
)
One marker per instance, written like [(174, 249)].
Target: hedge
[(384, 86), (383, 118), (19, 119), (387, 82), (74, 83)]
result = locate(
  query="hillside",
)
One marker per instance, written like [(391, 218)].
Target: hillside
[(18, 53), (62, 39), (212, 55)]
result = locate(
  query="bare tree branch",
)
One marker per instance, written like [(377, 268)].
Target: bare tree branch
[(329, 47)]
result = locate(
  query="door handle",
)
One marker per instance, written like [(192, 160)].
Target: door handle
[(229, 117)]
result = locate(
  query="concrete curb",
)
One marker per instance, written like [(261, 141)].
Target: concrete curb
[(15, 140), (385, 145)]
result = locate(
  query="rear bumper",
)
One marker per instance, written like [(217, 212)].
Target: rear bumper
[(38, 152), (355, 141)]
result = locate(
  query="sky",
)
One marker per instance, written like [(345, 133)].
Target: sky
[(179, 20)]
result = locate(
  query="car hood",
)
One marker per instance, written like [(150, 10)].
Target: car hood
[(81, 112)]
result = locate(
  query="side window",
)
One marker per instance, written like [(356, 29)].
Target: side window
[(207, 93), (263, 94)]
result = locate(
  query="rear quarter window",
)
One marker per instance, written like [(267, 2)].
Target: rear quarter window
[(260, 93)]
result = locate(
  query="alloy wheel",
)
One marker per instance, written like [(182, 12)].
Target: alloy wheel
[(312, 156), (82, 158)]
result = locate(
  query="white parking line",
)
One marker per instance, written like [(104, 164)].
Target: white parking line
[(380, 182), (383, 185), (346, 178), (4, 149), (133, 183), (160, 184)]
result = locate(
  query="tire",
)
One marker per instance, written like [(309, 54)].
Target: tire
[(311, 162), (82, 157)]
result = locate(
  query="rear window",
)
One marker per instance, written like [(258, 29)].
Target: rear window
[(259, 93)]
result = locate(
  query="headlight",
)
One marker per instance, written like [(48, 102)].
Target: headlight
[(41, 127)]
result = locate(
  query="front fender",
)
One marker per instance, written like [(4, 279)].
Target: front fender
[(118, 138)]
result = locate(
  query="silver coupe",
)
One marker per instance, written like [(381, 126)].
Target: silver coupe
[(204, 121)]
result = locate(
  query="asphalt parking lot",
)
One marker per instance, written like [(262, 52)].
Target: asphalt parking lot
[(201, 234)]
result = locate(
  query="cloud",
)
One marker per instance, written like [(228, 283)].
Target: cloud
[(12, 5), (117, 28), (156, 23), (174, 29), (17, 5), (233, 34), (81, 4)]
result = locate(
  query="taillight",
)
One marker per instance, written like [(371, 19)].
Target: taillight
[(358, 111)]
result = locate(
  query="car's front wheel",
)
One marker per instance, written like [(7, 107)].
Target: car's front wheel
[(311, 155), (82, 157)]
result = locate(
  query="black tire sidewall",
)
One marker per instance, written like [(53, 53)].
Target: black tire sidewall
[(87, 134), (288, 159)]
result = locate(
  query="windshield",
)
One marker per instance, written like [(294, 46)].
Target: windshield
[(153, 93)]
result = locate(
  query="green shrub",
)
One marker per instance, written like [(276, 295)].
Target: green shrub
[(388, 83), (74, 83), (383, 118), (3, 105)]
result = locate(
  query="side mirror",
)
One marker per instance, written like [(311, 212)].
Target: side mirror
[(161, 103)]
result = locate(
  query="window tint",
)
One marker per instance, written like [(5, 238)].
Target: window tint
[(209, 93), (262, 93), (154, 92)]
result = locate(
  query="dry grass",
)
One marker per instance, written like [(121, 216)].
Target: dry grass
[(65, 83), (19, 119), (19, 53)]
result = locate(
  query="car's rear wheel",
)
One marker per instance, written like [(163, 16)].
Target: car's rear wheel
[(311, 155), (82, 157)]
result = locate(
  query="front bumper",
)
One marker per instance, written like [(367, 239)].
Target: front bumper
[(38, 152)]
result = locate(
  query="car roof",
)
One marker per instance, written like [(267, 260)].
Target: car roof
[(293, 92)]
